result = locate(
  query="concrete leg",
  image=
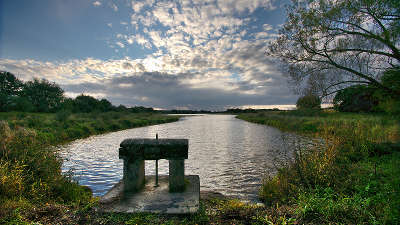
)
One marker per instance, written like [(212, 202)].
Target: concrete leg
[(133, 175), (176, 175)]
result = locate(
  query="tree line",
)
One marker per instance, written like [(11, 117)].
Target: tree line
[(41, 95)]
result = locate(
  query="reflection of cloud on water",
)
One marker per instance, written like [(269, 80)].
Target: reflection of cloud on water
[(231, 156)]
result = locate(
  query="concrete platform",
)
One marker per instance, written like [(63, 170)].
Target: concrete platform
[(154, 199)]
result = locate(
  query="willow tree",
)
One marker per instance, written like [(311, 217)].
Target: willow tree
[(328, 45)]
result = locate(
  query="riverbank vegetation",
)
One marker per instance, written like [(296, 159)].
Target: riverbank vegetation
[(31, 181), (35, 116), (352, 179)]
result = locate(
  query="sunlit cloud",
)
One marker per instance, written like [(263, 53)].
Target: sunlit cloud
[(114, 7), (212, 48), (97, 3)]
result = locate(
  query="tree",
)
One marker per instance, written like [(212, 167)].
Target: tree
[(44, 95), (328, 45), (10, 88), (85, 103), (105, 105), (121, 108), (308, 102), (368, 98), (356, 98)]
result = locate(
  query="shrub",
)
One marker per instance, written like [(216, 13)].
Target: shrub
[(308, 102), (62, 116), (357, 98)]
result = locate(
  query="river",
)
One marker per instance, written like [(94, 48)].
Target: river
[(231, 156)]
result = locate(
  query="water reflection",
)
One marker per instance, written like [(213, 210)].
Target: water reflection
[(230, 155)]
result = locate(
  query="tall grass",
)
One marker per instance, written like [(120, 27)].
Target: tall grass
[(30, 169), (30, 173), (333, 183)]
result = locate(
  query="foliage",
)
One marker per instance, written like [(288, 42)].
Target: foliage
[(390, 101), (30, 169), (308, 102), (352, 178), (368, 98), (357, 98), (326, 44), (85, 104), (10, 87), (44, 95)]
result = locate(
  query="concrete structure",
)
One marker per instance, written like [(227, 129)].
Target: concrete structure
[(176, 193), (153, 199), (135, 151)]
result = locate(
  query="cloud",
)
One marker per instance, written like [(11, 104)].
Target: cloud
[(114, 6), (120, 44), (127, 82), (137, 6), (197, 54), (168, 91), (97, 3)]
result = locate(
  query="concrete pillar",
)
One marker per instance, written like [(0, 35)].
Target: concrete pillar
[(176, 175), (133, 175)]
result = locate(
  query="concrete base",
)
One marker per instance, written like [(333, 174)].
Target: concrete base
[(154, 199)]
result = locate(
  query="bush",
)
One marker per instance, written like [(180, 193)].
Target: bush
[(308, 102), (62, 116), (357, 98)]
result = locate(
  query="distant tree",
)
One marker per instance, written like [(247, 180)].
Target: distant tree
[(121, 108), (308, 102), (45, 96), (10, 88), (22, 104), (331, 44), (85, 103), (105, 105), (139, 109), (67, 105)]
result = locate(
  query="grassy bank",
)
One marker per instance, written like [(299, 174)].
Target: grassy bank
[(352, 179), (30, 171), (56, 128), (33, 190)]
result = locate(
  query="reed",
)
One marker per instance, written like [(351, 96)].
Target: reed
[(332, 183)]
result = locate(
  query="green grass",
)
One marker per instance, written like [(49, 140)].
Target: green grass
[(55, 128), (30, 170), (351, 179)]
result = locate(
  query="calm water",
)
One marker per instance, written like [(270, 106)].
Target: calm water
[(231, 156)]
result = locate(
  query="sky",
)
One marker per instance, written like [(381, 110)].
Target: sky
[(184, 54)]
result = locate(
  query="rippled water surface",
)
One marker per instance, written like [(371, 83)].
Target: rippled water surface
[(231, 156)]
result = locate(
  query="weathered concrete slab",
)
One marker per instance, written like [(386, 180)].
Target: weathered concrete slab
[(152, 149), (154, 199)]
